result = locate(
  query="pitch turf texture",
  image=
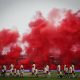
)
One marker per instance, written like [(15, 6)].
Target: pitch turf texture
[(52, 77)]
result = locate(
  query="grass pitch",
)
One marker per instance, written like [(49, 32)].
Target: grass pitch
[(39, 78), (52, 77)]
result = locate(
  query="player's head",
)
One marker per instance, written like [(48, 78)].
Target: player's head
[(58, 64), (21, 65), (73, 64)]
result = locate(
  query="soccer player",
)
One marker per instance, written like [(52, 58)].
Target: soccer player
[(11, 70), (70, 71), (21, 71), (64, 69), (18, 73), (58, 69), (15, 71), (4, 66), (3, 70), (33, 70), (47, 69), (36, 72), (73, 71)]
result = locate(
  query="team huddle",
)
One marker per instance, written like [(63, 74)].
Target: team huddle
[(35, 72)]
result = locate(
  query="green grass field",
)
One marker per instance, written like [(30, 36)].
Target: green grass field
[(40, 78), (52, 77)]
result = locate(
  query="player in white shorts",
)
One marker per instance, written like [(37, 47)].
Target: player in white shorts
[(47, 69), (73, 71), (58, 69), (64, 69), (4, 66), (11, 70), (3, 70), (21, 71), (15, 71), (70, 71), (36, 72), (33, 68), (18, 73)]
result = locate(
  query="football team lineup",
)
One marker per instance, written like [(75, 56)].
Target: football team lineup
[(66, 72)]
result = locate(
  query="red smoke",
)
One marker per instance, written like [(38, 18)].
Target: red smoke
[(9, 51), (53, 40), (52, 44)]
